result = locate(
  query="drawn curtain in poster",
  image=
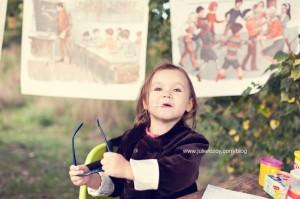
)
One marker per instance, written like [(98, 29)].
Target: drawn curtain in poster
[(3, 6), (226, 45), (84, 48)]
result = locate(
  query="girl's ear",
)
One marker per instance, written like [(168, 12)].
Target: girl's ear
[(189, 106)]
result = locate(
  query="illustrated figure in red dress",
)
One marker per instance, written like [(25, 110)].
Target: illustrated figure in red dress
[(211, 16)]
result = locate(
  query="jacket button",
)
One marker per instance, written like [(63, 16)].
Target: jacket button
[(135, 150), (128, 181)]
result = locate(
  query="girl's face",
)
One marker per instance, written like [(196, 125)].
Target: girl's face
[(169, 96)]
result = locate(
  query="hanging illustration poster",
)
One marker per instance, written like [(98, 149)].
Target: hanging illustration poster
[(3, 5), (226, 45), (84, 48)]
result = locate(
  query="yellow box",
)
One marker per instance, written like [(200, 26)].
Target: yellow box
[(268, 165)]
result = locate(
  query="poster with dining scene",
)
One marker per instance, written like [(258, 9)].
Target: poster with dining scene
[(84, 48)]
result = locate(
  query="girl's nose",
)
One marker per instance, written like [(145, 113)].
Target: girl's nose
[(167, 94)]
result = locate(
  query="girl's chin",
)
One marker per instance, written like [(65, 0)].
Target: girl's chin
[(166, 118)]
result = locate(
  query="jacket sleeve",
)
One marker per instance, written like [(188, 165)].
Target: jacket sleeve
[(119, 182), (180, 169)]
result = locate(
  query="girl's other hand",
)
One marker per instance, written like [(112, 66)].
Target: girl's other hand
[(93, 181), (78, 180), (116, 165)]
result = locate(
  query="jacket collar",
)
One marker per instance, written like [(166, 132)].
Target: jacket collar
[(140, 131), (177, 129)]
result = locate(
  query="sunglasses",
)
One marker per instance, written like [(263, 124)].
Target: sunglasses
[(73, 148)]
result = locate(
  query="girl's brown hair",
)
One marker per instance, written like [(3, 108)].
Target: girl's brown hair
[(142, 115)]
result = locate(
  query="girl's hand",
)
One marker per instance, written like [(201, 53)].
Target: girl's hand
[(92, 181), (116, 165), (74, 171)]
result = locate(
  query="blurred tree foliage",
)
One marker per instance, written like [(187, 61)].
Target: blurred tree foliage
[(159, 33), (13, 25), (265, 123)]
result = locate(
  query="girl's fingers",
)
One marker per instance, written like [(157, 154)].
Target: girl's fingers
[(102, 161), (74, 170), (74, 173), (78, 182), (108, 155), (103, 167), (83, 167), (77, 178)]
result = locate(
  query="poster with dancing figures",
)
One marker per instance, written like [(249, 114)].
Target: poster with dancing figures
[(3, 5), (84, 48), (226, 45)]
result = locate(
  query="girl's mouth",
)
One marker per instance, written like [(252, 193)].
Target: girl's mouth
[(168, 105)]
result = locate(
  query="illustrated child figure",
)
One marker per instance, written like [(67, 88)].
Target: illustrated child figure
[(63, 27), (86, 38), (96, 38), (233, 44), (285, 18), (127, 47), (200, 21), (188, 46), (207, 52), (152, 160), (259, 9), (275, 34), (261, 17), (211, 17), (138, 40), (254, 25), (232, 15), (110, 43)]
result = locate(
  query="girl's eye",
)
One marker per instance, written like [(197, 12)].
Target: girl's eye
[(177, 90), (157, 89)]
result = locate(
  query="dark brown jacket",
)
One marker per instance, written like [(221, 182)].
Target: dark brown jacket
[(178, 153)]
